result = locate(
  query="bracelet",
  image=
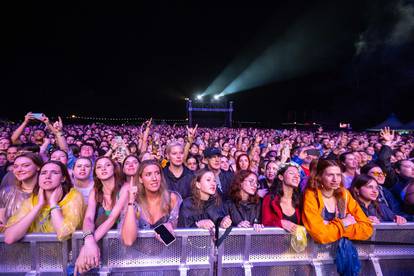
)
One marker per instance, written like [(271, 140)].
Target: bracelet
[(87, 233), (54, 207)]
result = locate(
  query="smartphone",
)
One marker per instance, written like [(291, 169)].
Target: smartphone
[(37, 116), (165, 234)]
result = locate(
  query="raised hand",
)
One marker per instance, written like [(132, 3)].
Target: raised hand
[(387, 134), (45, 119), (191, 132), (29, 116)]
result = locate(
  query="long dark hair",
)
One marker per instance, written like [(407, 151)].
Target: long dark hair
[(124, 177), (66, 185), (277, 187), (360, 181), (98, 185), (235, 187), (195, 192)]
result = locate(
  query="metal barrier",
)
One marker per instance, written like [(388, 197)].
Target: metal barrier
[(191, 254), (34, 254), (244, 252)]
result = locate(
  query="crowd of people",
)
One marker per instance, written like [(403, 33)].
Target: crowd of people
[(96, 177)]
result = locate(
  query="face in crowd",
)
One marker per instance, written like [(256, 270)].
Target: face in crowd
[(130, 167), (82, 169), (51, 177), (192, 164), (151, 178), (207, 185), (176, 155), (104, 169), (59, 155), (24, 168)]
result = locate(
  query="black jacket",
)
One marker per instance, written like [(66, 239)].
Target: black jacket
[(189, 214), (181, 184), (225, 180), (243, 211)]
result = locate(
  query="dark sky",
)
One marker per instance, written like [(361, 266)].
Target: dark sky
[(122, 60)]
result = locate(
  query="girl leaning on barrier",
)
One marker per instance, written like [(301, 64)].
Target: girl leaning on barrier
[(385, 196), (330, 212), (244, 206), (281, 206), (25, 169), (203, 209), (365, 190), (105, 203), (54, 207), (150, 204)]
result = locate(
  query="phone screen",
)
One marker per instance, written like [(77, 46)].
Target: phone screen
[(37, 116), (165, 234)]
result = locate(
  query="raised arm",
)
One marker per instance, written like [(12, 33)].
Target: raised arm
[(256, 146), (43, 148), (190, 140), (144, 144), (129, 225), (16, 134)]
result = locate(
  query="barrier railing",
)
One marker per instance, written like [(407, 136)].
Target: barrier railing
[(244, 251), (34, 254)]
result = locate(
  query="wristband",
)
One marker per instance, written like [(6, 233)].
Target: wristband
[(87, 233), (54, 207)]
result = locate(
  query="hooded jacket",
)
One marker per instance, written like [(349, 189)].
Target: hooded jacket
[(327, 232)]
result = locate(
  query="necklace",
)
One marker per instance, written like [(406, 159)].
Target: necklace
[(325, 196)]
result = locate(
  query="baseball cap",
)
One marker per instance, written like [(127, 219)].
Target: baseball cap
[(210, 152)]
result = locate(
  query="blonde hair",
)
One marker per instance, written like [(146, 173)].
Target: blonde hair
[(163, 191)]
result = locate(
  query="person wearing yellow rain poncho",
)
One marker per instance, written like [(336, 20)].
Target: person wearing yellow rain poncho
[(55, 207)]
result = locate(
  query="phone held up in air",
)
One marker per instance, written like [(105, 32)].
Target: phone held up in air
[(166, 236), (37, 116)]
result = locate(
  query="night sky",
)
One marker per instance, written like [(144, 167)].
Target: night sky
[(356, 65)]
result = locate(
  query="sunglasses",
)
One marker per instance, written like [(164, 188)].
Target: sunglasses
[(379, 174)]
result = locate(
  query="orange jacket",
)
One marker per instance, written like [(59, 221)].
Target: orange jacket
[(321, 232)]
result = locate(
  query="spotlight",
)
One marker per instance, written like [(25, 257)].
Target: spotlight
[(216, 97), (199, 97)]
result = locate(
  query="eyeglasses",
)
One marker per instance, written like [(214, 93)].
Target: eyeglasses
[(252, 182), (379, 174)]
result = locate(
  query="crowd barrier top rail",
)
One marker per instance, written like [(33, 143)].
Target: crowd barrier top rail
[(244, 251)]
